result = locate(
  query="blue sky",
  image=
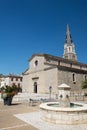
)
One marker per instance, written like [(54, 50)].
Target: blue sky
[(39, 26)]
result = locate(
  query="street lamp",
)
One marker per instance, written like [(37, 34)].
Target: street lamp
[(50, 91)]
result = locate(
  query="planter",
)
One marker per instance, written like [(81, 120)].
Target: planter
[(4, 95), (7, 93), (8, 100)]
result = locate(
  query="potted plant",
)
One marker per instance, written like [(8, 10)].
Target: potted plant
[(7, 93)]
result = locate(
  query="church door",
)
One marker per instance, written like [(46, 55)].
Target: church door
[(35, 87)]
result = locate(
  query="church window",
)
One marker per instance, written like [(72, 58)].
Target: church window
[(36, 62), (74, 77)]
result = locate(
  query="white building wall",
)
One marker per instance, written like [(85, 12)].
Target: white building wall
[(40, 66), (2, 82), (47, 74), (51, 80), (25, 83), (36, 74), (7, 81), (42, 74), (40, 82)]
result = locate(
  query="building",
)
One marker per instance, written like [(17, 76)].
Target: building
[(48, 71), (11, 80)]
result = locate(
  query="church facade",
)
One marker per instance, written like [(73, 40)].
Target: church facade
[(48, 72)]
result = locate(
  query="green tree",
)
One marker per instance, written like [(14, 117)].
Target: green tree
[(1, 75), (84, 84)]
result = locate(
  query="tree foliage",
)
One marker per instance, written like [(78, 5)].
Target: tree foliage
[(1, 75), (84, 84)]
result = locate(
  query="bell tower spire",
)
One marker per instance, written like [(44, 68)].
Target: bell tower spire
[(69, 47)]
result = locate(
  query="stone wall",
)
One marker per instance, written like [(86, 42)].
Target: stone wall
[(66, 76)]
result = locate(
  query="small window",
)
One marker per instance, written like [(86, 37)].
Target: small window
[(18, 84), (21, 79), (16, 79), (36, 62), (74, 77), (11, 78)]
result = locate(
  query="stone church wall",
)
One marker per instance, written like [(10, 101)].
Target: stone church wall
[(66, 76), (51, 80)]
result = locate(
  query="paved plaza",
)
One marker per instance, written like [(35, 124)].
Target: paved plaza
[(21, 116), (9, 122), (34, 118)]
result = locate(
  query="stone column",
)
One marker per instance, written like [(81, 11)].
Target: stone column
[(64, 93)]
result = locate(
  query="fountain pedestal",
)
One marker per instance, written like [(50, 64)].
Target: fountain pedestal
[(64, 93)]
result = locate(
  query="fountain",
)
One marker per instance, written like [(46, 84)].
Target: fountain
[(64, 111)]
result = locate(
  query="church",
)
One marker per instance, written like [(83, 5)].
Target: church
[(47, 72)]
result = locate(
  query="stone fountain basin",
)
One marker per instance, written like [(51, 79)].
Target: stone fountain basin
[(64, 115)]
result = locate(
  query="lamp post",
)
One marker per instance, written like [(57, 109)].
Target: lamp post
[(50, 91)]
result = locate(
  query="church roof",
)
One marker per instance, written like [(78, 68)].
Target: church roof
[(56, 58), (68, 36)]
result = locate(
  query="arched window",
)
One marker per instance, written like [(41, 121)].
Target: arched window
[(74, 77), (36, 62)]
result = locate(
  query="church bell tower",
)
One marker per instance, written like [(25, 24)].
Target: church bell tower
[(69, 47)]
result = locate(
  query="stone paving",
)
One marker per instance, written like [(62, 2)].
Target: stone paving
[(34, 118), (9, 122), (21, 116)]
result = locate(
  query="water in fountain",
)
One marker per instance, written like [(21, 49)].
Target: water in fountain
[(61, 112)]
